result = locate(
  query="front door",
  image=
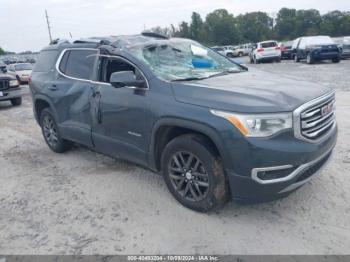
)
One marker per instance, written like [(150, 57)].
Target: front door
[(121, 114)]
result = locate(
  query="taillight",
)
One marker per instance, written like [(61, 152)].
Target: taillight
[(260, 50)]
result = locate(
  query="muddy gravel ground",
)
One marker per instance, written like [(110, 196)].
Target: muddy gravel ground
[(82, 202)]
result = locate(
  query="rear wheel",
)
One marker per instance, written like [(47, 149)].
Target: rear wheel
[(230, 55), (16, 101), (194, 174), (51, 133), (335, 60)]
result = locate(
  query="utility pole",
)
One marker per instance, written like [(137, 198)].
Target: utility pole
[(48, 25)]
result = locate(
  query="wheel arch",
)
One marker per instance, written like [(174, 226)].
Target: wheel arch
[(167, 129), (40, 103)]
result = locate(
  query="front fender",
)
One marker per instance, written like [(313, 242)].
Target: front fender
[(188, 124)]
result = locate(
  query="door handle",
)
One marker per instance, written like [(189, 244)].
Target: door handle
[(96, 93), (53, 88)]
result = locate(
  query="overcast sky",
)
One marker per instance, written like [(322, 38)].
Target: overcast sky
[(23, 25)]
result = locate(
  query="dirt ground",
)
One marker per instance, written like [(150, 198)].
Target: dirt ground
[(81, 202)]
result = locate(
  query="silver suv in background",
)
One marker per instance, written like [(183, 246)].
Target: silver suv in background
[(224, 50), (244, 50), (343, 45)]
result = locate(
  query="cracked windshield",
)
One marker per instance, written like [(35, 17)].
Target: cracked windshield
[(176, 60)]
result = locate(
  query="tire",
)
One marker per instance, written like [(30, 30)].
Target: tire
[(194, 174), (19, 79), (16, 101), (230, 55), (309, 59), (296, 59), (256, 61), (278, 60), (240, 54), (335, 60), (51, 133)]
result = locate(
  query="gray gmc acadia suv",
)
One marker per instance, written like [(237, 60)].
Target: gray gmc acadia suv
[(212, 128)]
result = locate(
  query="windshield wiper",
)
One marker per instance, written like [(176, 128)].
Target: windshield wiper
[(189, 79), (226, 72)]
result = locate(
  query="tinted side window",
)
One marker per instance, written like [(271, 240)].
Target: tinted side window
[(46, 61), (78, 63)]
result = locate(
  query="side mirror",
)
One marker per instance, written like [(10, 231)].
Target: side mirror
[(126, 78)]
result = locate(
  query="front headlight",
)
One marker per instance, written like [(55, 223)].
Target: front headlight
[(258, 125), (14, 83)]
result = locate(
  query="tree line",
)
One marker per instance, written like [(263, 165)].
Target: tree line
[(223, 28)]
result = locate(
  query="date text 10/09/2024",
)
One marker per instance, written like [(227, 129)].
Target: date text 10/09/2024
[(173, 258)]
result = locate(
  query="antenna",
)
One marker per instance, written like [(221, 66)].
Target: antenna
[(48, 25)]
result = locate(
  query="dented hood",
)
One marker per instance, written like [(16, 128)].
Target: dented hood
[(248, 92)]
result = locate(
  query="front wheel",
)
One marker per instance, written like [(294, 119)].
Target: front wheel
[(51, 133), (16, 101), (194, 174), (296, 59), (335, 60)]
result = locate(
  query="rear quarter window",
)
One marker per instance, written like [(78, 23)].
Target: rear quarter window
[(46, 61), (78, 63)]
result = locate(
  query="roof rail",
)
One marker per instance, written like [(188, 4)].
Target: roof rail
[(154, 34), (59, 41), (94, 40)]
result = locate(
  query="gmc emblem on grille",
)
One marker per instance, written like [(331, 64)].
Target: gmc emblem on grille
[(327, 109)]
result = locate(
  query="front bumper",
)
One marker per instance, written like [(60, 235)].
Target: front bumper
[(10, 94), (307, 160), (24, 78)]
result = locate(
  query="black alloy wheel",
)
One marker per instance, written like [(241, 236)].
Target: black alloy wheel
[(194, 173), (51, 132), (188, 176)]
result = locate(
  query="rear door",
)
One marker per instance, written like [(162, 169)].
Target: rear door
[(72, 93)]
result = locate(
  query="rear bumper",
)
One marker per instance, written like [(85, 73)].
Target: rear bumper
[(268, 58), (10, 94), (307, 160)]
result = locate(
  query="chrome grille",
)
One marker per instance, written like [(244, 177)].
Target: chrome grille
[(315, 119), (4, 84)]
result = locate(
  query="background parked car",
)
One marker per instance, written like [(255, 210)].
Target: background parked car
[(286, 49), (265, 51), (9, 88), (344, 46), (244, 50), (21, 71), (224, 50), (315, 48)]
